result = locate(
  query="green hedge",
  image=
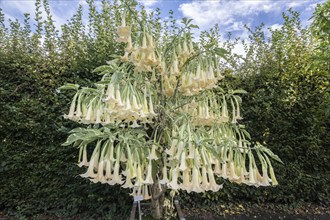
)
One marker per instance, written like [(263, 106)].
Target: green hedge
[(38, 174), (284, 108)]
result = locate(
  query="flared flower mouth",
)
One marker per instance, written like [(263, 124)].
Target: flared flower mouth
[(123, 31)]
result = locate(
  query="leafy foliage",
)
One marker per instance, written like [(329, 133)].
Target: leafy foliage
[(284, 107)]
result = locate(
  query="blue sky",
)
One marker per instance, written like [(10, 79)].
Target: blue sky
[(231, 15)]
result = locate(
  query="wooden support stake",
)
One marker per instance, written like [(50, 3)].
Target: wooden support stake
[(133, 211), (178, 210)]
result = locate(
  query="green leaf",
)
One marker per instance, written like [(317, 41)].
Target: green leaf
[(101, 68), (184, 20), (69, 86), (76, 130), (271, 154), (221, 52), (193, 26), (72, 138), (239, 91)]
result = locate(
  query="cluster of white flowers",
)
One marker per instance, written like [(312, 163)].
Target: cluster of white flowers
[(207, 112), (187, 165), (142, 52), (194, 78), (202, 144), (112, 105), (199, 79), (106, 162), (210, 111)]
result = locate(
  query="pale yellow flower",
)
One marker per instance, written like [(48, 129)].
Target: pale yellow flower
[(173, 184), (145, 192), (84, 161), (213, 186), (149, 179), (72, 107), (164, 180), (195, 183), (183, 161), (205, 183), (186, 184)]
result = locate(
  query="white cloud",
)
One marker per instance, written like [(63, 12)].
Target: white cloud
[(228, 12), (239, 49), (10, 7), (207, 13), (16, 9), (275, 26), (236, 26), (295, 4), (149, 3), (311, 7)]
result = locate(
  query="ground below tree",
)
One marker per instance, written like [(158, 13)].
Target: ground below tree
[(246, 211)]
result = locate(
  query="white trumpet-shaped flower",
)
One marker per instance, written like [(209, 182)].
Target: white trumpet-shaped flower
[(93, 162), (180, 148), (135, 104), (252, 177), (108, 169), (84, 161), (89, 115), (111, 153), (165, 179), (72, 107), (173, 148), (183, 161), (149, 179), (205, 183), (78, 112), (128, 182), (110, 93), (145, 111), (151, 107), (128, 105), (195, 182), (152, 155), (186, 184), (99, 113), (224, 170), (100, 173), (191, 150), (119, 101), (213, 186), (139, 178), (241, 176), (136, 191), (238, 112), (117, 178), (145, 192), (123, 31), (272, 175), (123, 157), (173, 184), (232, 173), (217, 167)]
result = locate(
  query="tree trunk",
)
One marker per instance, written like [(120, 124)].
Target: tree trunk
[(157, 201)]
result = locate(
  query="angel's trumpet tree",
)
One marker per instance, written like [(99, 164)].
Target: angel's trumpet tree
[(159, 118)]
